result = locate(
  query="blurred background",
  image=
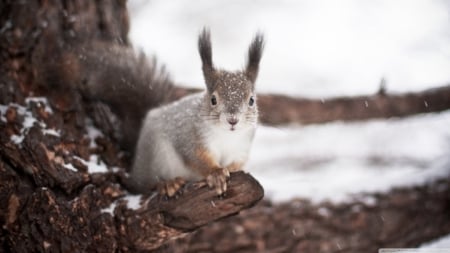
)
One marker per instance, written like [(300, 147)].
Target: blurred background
[(321, 49), (314, 48)]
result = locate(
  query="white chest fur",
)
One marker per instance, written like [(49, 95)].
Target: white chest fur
[(228, 146)]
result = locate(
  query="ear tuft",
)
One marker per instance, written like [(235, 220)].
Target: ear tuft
[(254, 57), (204, 48)]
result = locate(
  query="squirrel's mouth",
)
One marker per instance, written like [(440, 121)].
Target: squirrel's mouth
[(232, 128)]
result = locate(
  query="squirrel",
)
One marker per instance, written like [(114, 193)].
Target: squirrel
[(205, 135)]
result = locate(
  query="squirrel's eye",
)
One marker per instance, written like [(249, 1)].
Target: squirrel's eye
[(213, 100), (251, 101)]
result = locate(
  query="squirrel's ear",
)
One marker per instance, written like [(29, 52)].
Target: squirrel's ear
[(254, 56), (204, 48)]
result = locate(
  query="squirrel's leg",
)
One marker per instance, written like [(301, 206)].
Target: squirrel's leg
[(218, 179), (204, 164), (235, 166), (170, 187)]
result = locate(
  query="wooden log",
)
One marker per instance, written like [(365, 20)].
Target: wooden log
[(161, 219), (196, 207)]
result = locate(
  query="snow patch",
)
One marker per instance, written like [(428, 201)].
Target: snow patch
[(70, 167), (3, 109), (116, 169), (368, 200), (28, 119), (94, 165), (17, 139), (133, 201), (110, 208), (323, 211), (51, 132), (337, 161), (40, 101), (93, 132), (440, 243)]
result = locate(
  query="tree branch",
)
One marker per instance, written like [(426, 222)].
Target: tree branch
[(161, 219)]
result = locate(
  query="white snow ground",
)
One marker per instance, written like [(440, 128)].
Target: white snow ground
[(337, 160), (321, 49), (440, 243)]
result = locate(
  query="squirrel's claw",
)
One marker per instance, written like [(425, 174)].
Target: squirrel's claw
[(226, 172), (170, 188), (218, 180)]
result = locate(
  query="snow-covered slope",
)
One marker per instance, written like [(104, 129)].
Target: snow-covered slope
[(336, 160)]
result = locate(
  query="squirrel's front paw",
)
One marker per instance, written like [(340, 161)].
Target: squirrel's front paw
[(218, 180), (170, 187)]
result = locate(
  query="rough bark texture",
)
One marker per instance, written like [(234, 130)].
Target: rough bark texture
[(281, 109), (49, 207), (53, 200)]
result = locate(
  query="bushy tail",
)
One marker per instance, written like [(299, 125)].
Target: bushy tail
[(114, 74)]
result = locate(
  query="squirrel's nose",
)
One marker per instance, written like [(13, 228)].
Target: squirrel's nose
[(233, 120)]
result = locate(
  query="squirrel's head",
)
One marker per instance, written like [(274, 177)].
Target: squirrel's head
[(230, 96)]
